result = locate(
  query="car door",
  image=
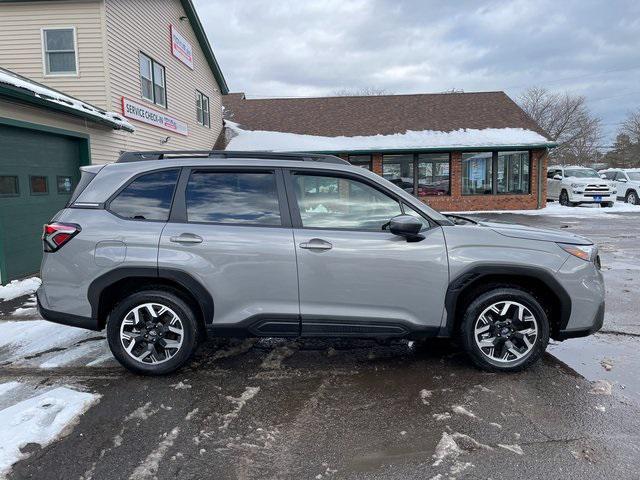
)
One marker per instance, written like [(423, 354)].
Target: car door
[(230, 229), (553, 185), (356, 278), (622, 183)]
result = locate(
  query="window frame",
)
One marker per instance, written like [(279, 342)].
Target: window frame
[(58, 177), (107, 204), (43, 44), (294, 208), (369, 163), (200, 97), (415, 162), (141, 54), (494, 174), (12, 195), (178, 212), (46, 183)]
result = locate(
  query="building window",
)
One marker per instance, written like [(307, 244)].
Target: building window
[(363, 161), (65, 184), (398, 169), (38, 185), (513, 172), (9, 186), (202, 109), (433, 174), (477, 173), (152, 78), (59, 46)]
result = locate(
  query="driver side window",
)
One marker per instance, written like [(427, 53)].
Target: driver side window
[(342, 203)]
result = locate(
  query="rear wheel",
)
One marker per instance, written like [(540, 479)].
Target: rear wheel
[(152, 332), (505, 330), (632, 197)]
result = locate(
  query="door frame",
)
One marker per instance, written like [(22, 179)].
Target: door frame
[(84, 142)]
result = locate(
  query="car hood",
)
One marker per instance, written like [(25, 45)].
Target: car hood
[(530, 233), (587, 181)]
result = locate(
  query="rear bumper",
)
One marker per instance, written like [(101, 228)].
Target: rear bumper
[(598, 320), (64, 318)]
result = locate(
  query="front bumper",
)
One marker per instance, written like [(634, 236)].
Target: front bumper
[(598, 320), (64, 318), (590, 198)]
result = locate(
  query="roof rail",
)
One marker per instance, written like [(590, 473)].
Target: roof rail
[(126, 157)]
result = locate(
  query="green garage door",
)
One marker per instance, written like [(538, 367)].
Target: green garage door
[(38, 171)]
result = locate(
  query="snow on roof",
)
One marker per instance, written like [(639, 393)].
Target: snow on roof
[(50, 95), (282, 141)]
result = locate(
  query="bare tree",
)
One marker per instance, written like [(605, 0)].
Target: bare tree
[(626, 148), (361, 92), (568, 121), (631, 126)]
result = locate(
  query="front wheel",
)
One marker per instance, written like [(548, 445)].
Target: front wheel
[(152, 332), (505, 330), (632, 197), (564, 199)]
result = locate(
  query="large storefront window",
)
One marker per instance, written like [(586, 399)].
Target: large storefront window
[(398, 169), (433, 174), (477, 173), (513, 172), (363, 161)]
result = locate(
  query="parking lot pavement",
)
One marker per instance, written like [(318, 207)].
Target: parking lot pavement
[(333, 408)]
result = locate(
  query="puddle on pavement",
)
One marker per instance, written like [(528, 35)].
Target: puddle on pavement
[(611, 357)]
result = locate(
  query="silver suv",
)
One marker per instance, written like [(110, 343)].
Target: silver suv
[(165, 248)]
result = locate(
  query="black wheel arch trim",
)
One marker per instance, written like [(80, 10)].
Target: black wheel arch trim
[(180, 277), (476, 272)]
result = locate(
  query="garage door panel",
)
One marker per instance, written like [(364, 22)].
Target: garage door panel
[(30, 153)]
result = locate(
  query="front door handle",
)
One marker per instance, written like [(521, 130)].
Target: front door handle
[(316, 244), (186, 238)]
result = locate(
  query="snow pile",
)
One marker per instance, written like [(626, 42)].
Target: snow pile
[(18, 288), (554, 209), (50, 95), (39, 420), (282, 141)]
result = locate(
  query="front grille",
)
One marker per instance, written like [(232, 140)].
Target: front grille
[(593, 188)]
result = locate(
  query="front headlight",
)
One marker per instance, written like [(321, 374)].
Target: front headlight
[(588, 253), (576, 185)]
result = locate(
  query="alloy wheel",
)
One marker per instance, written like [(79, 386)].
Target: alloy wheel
[(151, 333), (564, 198), (506, 331), (632, 198)]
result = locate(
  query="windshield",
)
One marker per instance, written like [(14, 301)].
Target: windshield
[(635, 176), (581, 173)]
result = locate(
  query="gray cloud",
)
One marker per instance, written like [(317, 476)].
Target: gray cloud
[(302, 48)]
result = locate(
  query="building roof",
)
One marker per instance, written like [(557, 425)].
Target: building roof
[(381, 122), (26, 90)]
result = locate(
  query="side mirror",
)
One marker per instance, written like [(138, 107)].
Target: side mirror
[(406, 226), (623, 180), (557, 177)]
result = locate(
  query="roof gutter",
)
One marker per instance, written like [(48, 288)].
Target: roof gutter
[(488, 148)]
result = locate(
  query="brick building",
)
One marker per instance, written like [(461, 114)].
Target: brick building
[(455, 151)]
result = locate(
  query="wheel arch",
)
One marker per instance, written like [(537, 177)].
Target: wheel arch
[(479, 278), (105, 291)]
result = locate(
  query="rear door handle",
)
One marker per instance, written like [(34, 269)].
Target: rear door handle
[(186, 238), (316, 244)]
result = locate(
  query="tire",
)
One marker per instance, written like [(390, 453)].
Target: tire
[(159, 360), (632, 197), (493, 360), (607, 204), (564, 199)]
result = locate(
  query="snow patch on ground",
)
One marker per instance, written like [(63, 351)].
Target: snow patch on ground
[(69, 356), (39, 419), (18, 288), (273, 361), (512, 448), (424, 395), (554, 209), (283, 141), (239, 402), (141, 413), (149, 467), (5, 387), (237, 349), (452, 445), (460, 410), (601, 387), (441, 416)]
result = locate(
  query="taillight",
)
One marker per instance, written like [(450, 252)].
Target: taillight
[(56, 235)]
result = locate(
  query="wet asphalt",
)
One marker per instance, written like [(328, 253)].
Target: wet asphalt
[(336, 408)]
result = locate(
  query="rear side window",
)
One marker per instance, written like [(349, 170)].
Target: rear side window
[(238, 198), (85, 180), (148, 197)]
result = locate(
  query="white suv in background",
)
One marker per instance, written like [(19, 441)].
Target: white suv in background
[(627, 182), (575, 185)]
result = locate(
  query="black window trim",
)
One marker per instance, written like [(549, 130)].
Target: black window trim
[(296, 218), (153, 80), (107, 205), (58, 177), (494, 175), (178, 212), (12, 195), (46, 183), (201, 96), (369, 163), (416, 162)]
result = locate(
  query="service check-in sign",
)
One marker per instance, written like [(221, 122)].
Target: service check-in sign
[(142, 113), (181, 48)]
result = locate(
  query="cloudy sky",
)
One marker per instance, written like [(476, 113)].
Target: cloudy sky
[(294, 48)]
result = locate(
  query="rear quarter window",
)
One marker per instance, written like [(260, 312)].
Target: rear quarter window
[(148, 197)]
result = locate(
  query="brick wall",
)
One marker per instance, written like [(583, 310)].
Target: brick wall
[(458, 202)]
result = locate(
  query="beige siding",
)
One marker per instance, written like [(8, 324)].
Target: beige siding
[(104, 141), (21, 44), (143, 25)]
